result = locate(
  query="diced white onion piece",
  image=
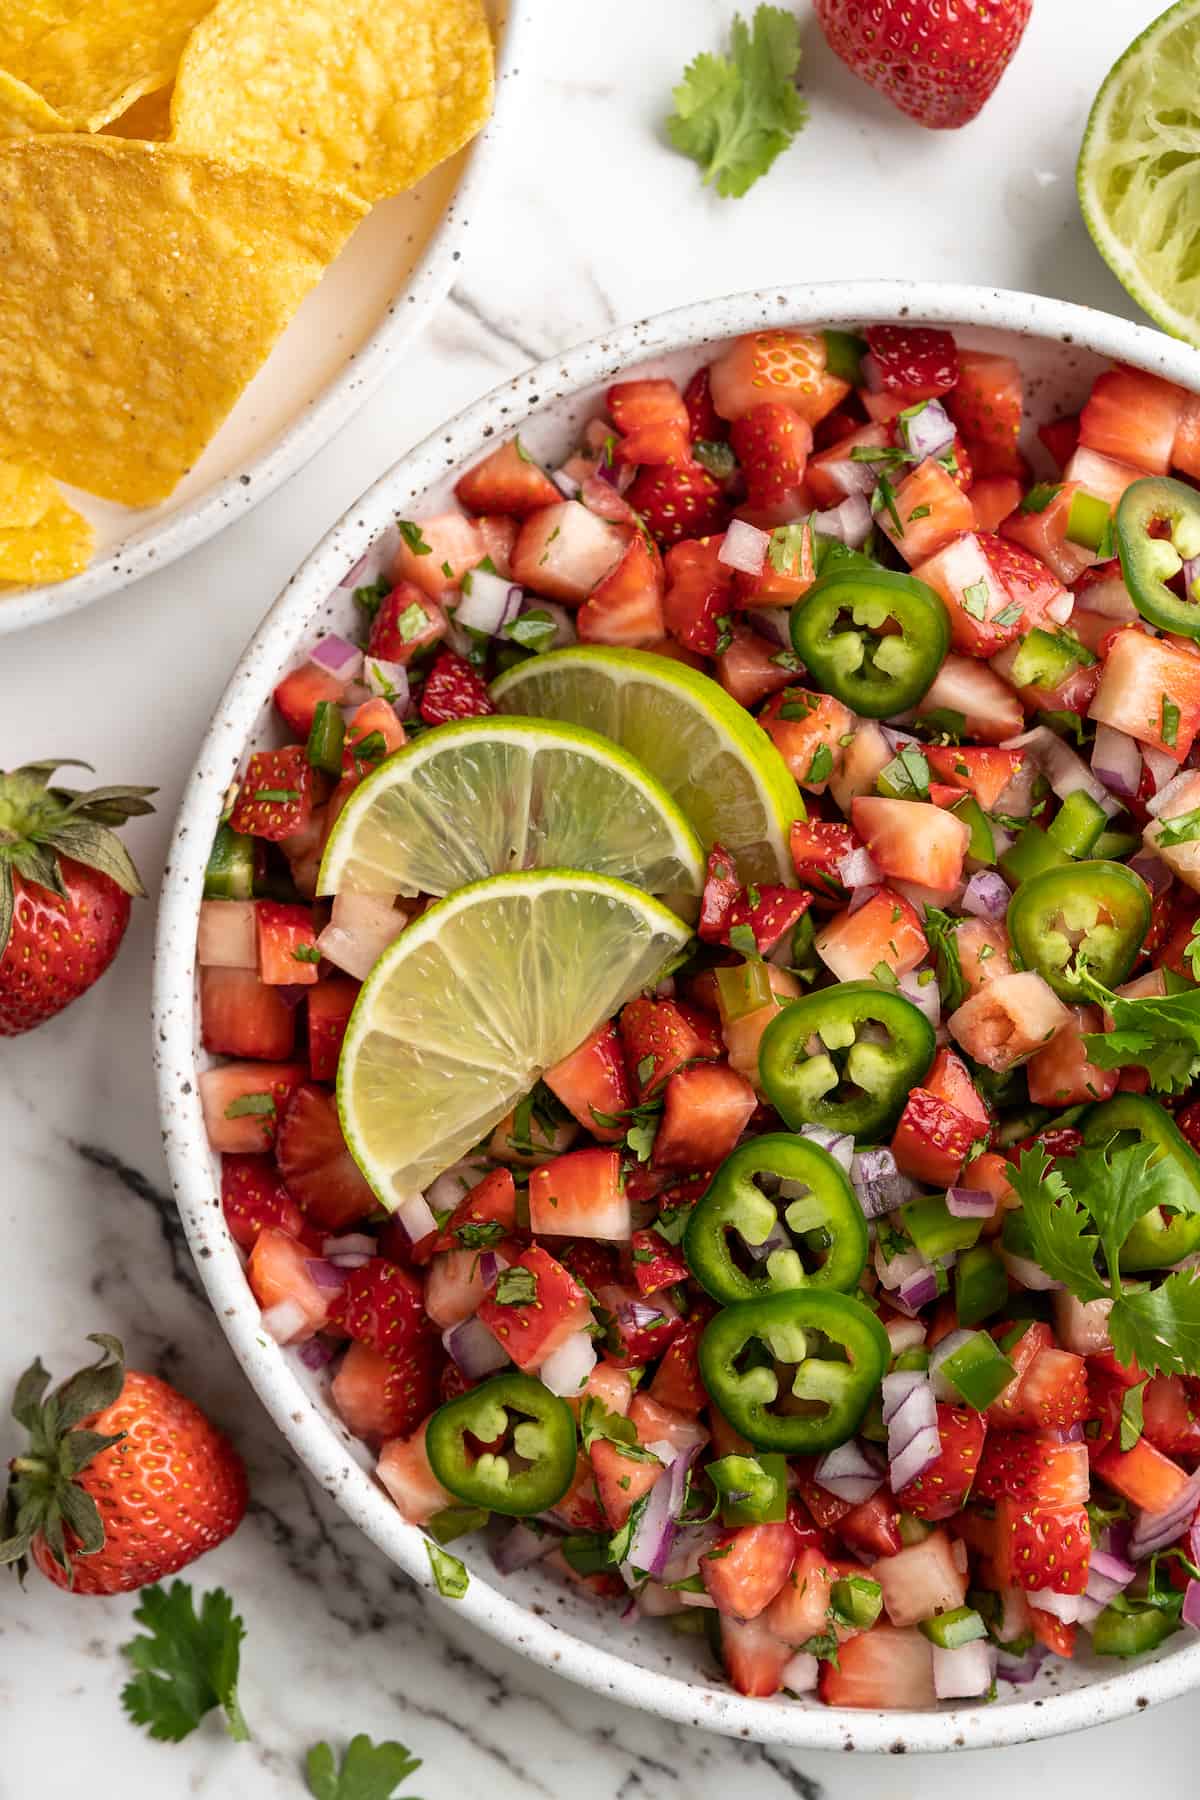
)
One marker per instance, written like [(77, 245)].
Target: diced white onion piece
[(360, 930), (1061, 1606), (416, 1216), (744, 547), (284, 1321), (1163, 768), (488, 603), (800, 1673), (963, 1673), (389, 679), (1063, 769), (566, 1369)]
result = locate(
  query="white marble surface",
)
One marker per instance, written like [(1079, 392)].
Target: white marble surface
[(592, 221)]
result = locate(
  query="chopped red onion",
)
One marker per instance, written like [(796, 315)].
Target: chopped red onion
[(944, 1348), (326, 1274), (351, 1243), (913, 1440), (850, 522), (776, 1239), (858, 869), (881, 1188), (416, 1216), (849, 1473), (1177, 788), (896, 1388), (355, 572), (284, 1321), (474, 1348), (772, 623), (1117, 761), (925, 995), (1163, 768), (894, 1271), (490, 1265), (859, 897), (1061, 1606), (1154, 1531), (914, 1413), (566, 1369), (1028, 1274), (315, 1353), (964, 1673), (986, 895), (522, 1546), (917, 1292), (970, 1203), (390, 680), (1191, 575), (744, 547), (838, 1144), (1191, 1605), (1063, 769), (637, 1314), (905, 1334), (919, 1454), (488, 603), (1153, 871), (801, 1671), (565, 633), (654, 1533), (338, 657), (289, 992), (1107, 1575), (1021, 1669), (927, 432)]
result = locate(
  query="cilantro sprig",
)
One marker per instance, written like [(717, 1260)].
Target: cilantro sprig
[(187, 1663), (368, 1771), (1158, 1033), (1074, 1223), (735, 114)]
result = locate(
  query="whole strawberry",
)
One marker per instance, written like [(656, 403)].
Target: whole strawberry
[(123, 1482), (65, 883), (937, 60)]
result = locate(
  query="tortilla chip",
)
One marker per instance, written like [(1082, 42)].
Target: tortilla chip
[(142, 289), (22, 112), (103, 55), (58, 546), (25, 21), (148, 118), (26, 495), (347, 91)]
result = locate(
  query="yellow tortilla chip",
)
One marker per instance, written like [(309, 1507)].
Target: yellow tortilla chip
[(23, 22), (58, 546), (22, 112), (104, 55), (148, 118), (26, 494), (365, 95), (142, 288)]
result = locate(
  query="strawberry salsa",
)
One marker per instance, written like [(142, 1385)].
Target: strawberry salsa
[(837, 1298)]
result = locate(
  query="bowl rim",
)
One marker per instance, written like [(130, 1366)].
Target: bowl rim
[(504, 409), (156, 543)]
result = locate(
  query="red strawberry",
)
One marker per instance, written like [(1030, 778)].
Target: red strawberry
[(406, 621), (986, 406), (1043, 1546), (384, 1306), (656, 1264), (329, 1007), (653, 421), (721, 890), (453, 691), (679, 502), (301, 692), (705, 1110), (937, 63), (253, 1197), (944, 1486), (770, 912), (153, 1488), (241, 1016), (275, 798), (704, 422), (507, 481), (699, 594), (913, 360), (68, 879), (1051, 1631), (320, 1174), (378, 1398), (592, 1264), (677, 1380), (625, 606), (1061, 438), (772, 443), (287, 944), (817, 853), (1053, 1395), (658, 1040), (1035, 1471)]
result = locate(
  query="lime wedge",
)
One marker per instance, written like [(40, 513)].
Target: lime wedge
[(486, 796), (461, 1014), (707, 751), (1139, 170)]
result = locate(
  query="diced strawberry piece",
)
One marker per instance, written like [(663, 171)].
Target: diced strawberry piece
[(880, 1669), (1147, 1479), (943, 1488), (800, 1609), (818, 849), (993, 591), (506, 481), (933, 1139), (656, 1264), (300, 693), (950, 1080), (383, 1306), (1043, 1546), (254, 1199), (885, 930), (240, 1016), (649, 401), (1061, 1074), (721, 890), (677, 1381), (1053, 1394), (1134, 417), (620, 1480), (772, 443), (579, 1195), (1050, 1630), (281, 932), (989, 708), (704, 423), (1101, 475), (930, 509), (769, 912), (754, 1659), (373, 733), (454, 1287), (921, 1579), (698, 594), (1061, 438), (639, 1330), (564, 550), (242, 1101), (593, 1081), (499, 534), (1008, 1020), (275, 796), (827, 1509), (872, 1526), (403, 1469), (788, 571), (321, 1175), (1138, 670), (378, 1398), (807, 730), (783, 365), (1043, 534), (993, 498), (484, 1215), (406, 622), (982, 772), (532, 1330), (749, 668), (653, 446), (329, 1007), (679, 501), (436, 553), (986, 405), (626, 605), (1033, 1470), (657, 1040), (1171, 1411), (834, 474), (279, 1274), (705, 1111), (747, 1568), (453, 690), (1005, 1410), (912, 840), (913, 360)]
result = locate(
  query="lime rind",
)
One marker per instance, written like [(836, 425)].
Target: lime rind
[(486, 796), (1138, 175), (712, 757), (476, 998)]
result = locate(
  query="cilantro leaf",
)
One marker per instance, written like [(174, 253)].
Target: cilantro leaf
[(1132, 1416), (368, 1772), (187, 1665), (941, 932), (1057, 1223), (735, 114), (1118, 1186), (1161, 1035), (596, 1421), (1159, 1329)]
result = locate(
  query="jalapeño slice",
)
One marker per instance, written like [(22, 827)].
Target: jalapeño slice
[(873, 638)]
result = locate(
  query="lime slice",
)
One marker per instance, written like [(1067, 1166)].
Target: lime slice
[(1139, 170), (486, 796), (709, 754), (461, 1014)]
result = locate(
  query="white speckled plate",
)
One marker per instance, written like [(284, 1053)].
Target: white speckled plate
[(400, 262), (1061, 348)]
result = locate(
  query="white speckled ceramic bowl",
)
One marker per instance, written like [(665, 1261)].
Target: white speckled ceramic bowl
[(1061, 347)]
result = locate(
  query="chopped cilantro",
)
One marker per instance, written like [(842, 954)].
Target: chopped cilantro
[(821, 766), (735, 114), (975, 599), (517, 1286), (410, 531), (251, 1106)]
